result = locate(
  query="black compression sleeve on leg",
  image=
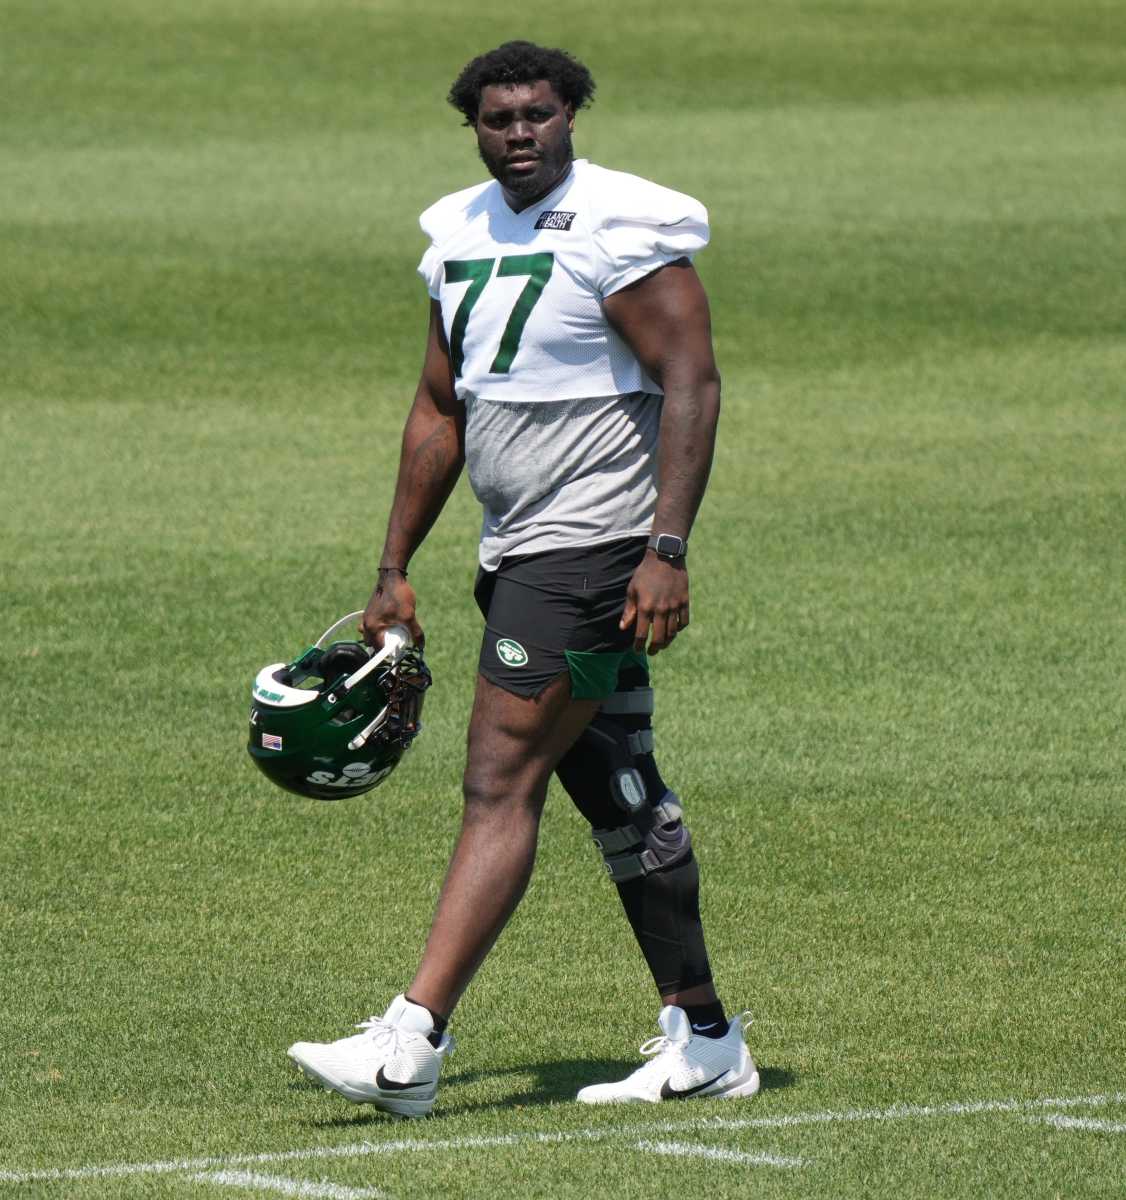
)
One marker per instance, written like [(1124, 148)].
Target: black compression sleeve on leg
[(664, 910)]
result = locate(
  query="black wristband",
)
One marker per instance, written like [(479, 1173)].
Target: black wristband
[(402, 570)]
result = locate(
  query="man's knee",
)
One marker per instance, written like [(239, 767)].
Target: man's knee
[(491, 785), (612, 777), (502, 774)]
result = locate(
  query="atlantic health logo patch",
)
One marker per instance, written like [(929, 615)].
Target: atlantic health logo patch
[(511, 653), (555, 218)]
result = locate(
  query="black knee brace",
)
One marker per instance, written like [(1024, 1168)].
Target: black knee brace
[(613, 779), (611, 776)]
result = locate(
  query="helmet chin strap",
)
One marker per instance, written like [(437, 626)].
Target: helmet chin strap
[(397, 637), (335, 627)]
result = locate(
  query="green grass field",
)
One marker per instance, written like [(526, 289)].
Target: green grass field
[(897, 721)]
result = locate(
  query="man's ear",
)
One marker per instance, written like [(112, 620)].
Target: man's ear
[(570, 119)]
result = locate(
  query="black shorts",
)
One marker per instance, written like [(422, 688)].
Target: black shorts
[(557, 613)]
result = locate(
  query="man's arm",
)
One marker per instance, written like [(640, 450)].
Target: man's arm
[(665, 320), (430, 461)]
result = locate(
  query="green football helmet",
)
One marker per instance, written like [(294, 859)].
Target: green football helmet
[(336, 720)]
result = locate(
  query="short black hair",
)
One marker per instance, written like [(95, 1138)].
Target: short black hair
[(521, 62)]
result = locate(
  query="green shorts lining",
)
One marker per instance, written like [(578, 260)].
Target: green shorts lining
[(594, 675)]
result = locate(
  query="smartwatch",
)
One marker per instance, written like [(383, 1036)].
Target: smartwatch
[(668, 545)]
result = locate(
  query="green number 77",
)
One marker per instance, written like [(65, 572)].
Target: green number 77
[(477, 272)]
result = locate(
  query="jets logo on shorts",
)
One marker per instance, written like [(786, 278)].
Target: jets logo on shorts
[(511, 653)]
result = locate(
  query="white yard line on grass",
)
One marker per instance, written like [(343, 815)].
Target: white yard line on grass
[(279, 1185), (1086, 1123), (720, 1154), (908, 1112), (897, 1112)]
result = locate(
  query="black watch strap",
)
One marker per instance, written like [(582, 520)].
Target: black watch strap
[(668, 545)]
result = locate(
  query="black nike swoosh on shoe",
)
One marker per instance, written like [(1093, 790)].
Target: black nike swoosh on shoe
[(668, 1092), (393, 1085)]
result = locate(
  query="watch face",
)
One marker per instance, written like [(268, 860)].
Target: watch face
[(669, 545)]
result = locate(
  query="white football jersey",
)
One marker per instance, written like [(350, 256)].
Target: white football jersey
[(521, 293)]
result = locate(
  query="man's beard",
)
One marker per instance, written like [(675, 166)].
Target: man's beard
[(538, 182)]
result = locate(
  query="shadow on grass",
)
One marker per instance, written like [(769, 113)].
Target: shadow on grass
[(554, 1083), (772, 1078)]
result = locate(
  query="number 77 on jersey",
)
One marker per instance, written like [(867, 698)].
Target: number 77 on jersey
[(477, 272)]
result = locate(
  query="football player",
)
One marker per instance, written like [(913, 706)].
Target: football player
[(569, 366)]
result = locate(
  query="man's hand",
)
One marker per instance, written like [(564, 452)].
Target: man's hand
[(392, 603), (657, 600)]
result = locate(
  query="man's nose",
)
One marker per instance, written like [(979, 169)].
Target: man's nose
[(520, 131)]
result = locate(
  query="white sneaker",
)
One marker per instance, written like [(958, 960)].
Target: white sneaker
[(685, 1066), (390, 1064)]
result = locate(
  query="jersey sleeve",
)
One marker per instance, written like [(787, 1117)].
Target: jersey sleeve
[(430, 268), (647, 227), (439, 222)]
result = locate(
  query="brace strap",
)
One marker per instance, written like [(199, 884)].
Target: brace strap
[(624, 867), (662, 848), (635, 702), (614, 841)]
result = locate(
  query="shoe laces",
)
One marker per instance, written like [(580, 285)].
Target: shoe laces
[(382, 1034), (659, 1049), (659, 1044)]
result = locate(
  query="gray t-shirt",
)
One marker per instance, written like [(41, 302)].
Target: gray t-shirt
[(553, 474)]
